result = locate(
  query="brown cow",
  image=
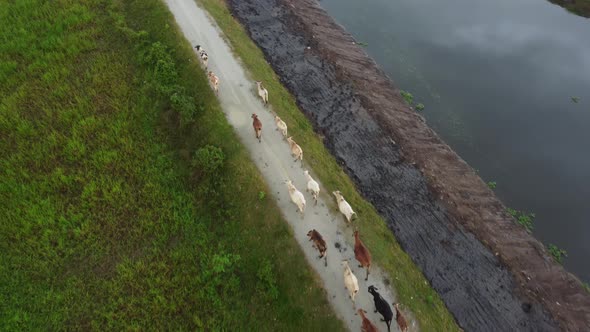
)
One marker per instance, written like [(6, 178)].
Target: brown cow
[(257, 126), (319, 244), (296, 150), (362, 254), (367, 326), (214, 81), (401, 320)]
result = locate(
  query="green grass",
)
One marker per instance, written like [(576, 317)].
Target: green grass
[(557, 253), (578, 7), (114, 212), (412, 289), (524, 219), (408, 97)]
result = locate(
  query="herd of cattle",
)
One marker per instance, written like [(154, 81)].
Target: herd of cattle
[(361, 253)]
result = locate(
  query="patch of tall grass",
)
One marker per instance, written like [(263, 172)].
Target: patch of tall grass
[(126, 201)]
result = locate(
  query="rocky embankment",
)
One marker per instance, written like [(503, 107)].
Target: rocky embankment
[(491, 273)]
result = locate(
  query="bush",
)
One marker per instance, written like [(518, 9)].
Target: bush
[(218, 271), (208, 159), (267, 283), (165, 76), (157, 57), (183, 104), (154, 53)]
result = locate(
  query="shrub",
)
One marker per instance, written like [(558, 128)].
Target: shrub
[(218, 273), (267, 283), (183, 104), (165, 76), (208, 159), (154, 53), (420, 107), (157, 57), (492, 185)]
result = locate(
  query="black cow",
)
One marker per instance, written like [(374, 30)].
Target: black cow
[(382, 306)]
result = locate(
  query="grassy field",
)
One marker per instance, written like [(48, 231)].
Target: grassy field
[(126, 201), (413, 290), (578, 7)]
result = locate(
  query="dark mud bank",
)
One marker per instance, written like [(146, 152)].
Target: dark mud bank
[(492, 275)]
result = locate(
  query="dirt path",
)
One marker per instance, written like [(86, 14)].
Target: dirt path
[(273, 159)]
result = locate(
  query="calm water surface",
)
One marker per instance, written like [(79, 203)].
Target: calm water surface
[(497, 79)]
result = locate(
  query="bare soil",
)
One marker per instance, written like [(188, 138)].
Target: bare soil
[(492, 274)]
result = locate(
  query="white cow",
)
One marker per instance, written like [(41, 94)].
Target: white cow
[(262, 92), (350, 282), (312, 186), (296, 197), (296, 150), (343, 206), (281, 125)]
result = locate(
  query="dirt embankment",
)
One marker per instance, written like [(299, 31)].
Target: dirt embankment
[(490, 272)]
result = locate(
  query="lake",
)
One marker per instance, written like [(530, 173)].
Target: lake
[(506, 84)]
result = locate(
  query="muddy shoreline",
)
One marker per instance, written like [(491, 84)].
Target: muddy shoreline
[(491, 274)]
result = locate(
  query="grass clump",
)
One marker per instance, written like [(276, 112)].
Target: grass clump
[(522, 218), (411, 287), (557, 253), (578, 7), (103, 225), (408, 97)]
